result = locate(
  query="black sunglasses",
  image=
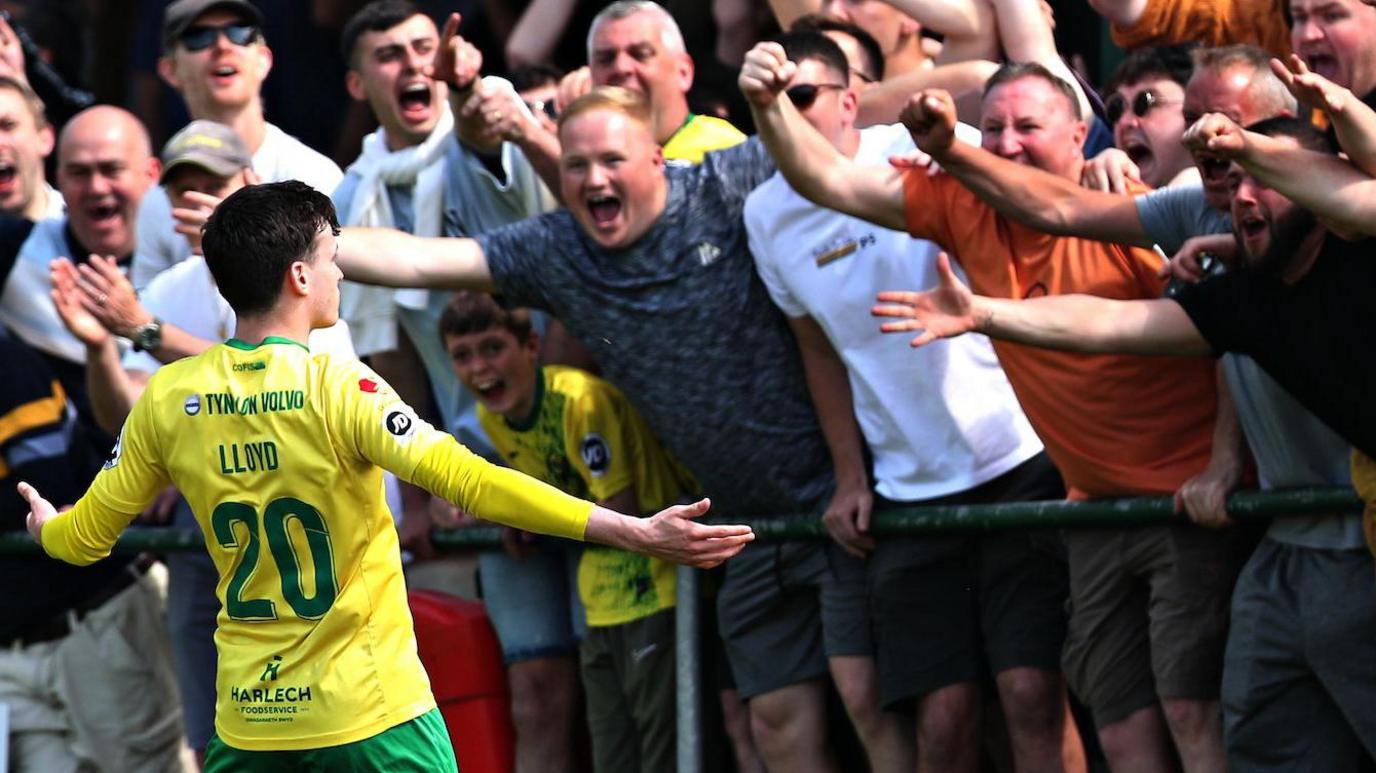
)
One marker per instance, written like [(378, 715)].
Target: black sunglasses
[(1146, 99), (805, 94), (203, 36)]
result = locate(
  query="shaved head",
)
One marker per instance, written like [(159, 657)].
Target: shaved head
[(106, 120), (104, 165)]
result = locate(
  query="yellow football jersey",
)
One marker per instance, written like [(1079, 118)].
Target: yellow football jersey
[(585, 438), (279, 453), (699, 135)]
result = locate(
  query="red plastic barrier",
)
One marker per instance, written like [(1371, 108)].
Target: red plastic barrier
[(460, 652)]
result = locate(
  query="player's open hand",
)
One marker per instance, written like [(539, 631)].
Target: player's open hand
[(930, 116), (765, 73), (673, 534), (944, 311), (1216, 134), (40, 511)]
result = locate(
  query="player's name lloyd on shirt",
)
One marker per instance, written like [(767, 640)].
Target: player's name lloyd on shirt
[(239, 458), (230, 404)]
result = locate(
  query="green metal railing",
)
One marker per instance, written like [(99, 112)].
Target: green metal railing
[(909, 521)]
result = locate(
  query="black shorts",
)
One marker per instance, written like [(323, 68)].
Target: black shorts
[(954, 609)]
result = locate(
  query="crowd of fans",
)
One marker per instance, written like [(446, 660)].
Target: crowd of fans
[(582, 267)]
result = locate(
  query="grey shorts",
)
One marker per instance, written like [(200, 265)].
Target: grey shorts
[(1299, 679), (788, 606)]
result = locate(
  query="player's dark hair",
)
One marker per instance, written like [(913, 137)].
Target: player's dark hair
[(474, 312), (873, 66), (376, 16), (256, 233), (1015, 71), (1173, 62), (801, 46), (1305, 133)]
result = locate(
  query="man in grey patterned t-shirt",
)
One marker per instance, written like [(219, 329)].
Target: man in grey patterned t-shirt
[(649, 268)]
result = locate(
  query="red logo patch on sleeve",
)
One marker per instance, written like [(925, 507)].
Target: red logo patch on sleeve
[(367, 385)]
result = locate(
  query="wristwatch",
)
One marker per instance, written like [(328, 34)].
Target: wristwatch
[(147, 336)]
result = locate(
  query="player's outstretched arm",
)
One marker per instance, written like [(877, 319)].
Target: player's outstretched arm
[(1023, 193), (384, 256), (672, 534), (82, 535), (1078, 323), (810, 164)]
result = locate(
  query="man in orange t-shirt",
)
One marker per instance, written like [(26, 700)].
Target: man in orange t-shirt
[(1114, 425)]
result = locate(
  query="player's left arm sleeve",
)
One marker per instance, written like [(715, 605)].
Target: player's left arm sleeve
[(385, 431), (86, 533), (130, 479)]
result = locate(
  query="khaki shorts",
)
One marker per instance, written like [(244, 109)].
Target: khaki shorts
[(103, 697), (1149, 614)]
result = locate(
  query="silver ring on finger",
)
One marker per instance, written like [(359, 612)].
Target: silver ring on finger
[(101, 299)]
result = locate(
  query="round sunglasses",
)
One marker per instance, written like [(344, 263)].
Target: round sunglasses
[(1143, 103)]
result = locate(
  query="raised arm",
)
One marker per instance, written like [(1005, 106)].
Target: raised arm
[(1025, 31), (1352, 120), (391, 258), (810, 164), (1340, 193), (883, 101), (1023, 193), (967, 26), (1075, 323)]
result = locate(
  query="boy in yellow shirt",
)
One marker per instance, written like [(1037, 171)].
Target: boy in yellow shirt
[(280, 454), (578, 433)]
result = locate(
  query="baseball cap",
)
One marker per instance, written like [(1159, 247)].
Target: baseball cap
[(211, 146), (180, 15)]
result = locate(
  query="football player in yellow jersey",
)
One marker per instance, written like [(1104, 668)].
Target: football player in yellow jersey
[(280, 454), (577, 432)]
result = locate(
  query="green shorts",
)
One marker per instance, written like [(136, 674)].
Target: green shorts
[(421, 745)]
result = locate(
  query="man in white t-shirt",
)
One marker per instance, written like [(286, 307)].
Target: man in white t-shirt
[(943, 426), (214, 55)]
